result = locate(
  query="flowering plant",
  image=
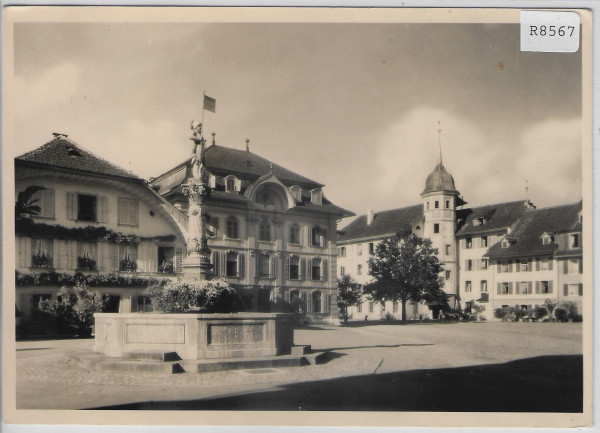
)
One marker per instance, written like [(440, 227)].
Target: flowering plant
[(214, 296)]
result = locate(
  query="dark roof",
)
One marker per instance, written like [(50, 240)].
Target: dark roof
[(64, 153), (497, 216), (223, 161), (439, 180), (384, 223), (526, 236)]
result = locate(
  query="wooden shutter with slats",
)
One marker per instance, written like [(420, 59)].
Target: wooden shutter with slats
[(71, 206)]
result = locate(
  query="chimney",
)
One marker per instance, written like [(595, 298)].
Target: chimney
[(370, 216)]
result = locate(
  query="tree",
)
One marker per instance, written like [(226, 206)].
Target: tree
[(75, 308), (550, 305), (26, 204), (349, 294), (406, 268)]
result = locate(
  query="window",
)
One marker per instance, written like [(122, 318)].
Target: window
[(371, 248), (45, 200), (505, 289), (316, 196), (394, 307), (469, 265), (296, 192), (574, 240), (447, 204), (342, 271), (128, 212), (86, 256), (316, 269), (342, 251), (468, 306), (316, 302), (294, 234), (545, 287), (436, 228), (484, 263), (573, 266), (467, 287), (483, 286), (230, 185), (448, 250), (448, 274), (86, 207), (231, 264), (524, 266), (294, 268), (359, 270), (317, 236), (370, 307), (383, 306), (437, 204), (469, 243), (263, 266), (232, 228), (524, 288), (427, 205), (547, 239), (505, 266), (41, 253), (505, 243), (359, 249), (127, 258), (264, 231), (166, 260), (484, 242), (142, 305)]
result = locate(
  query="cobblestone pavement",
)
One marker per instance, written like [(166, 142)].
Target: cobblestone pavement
[(47, 378)]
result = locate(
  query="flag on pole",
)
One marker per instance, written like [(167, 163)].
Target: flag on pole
[(209, 103)]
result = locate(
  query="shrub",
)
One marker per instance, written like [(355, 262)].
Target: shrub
[(560, 314), (520, 313), (74, 308), (214, 296)]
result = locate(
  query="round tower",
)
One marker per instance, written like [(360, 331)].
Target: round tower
[(440, 199)]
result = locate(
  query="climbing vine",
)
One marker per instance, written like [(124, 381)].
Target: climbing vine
[(92, 280)]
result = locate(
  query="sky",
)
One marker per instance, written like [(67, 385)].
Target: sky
[(353, 106)]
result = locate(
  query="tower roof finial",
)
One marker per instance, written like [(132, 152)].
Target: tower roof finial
[(440, 141)]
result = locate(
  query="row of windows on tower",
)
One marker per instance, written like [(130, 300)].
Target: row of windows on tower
[(436, 204)]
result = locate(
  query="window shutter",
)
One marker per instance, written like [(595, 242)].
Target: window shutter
[(510, 266), (102, 209), (123, 211), (71, 206), (510, 288), (550, 286), (537, 287), (580, 265), (113, 257), (223, 264), (142, 257), (310, 236), (134, 304), (178, 259), (309, 271), (537, 264), (240, 265), (273, 266), (25, 252), (518, 289), (565, 289), (324, 269), (529, 265), (103, 255), (518, 265), (59, 254), (215, 263), (287, 268), (580, 289), (565, 266), (550, 263), (476, 242), (238, 185), (529, 287), (302, 269), (71, 255), (309, 306), (499, 264), (47, 203), (323, 237)]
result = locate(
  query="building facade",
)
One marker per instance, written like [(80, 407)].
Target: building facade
[(97, 224), (272, 232), (494, 256)]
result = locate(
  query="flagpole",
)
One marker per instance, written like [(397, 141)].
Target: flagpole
[(203, 98)]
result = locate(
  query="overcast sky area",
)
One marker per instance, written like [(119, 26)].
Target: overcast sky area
[(353, 106)]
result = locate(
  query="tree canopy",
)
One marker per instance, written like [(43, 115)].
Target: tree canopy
[(405, 268), (349, 294)]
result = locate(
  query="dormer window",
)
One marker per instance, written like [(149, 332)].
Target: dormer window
[(574, 240), (476, 222), (296, 192), (232, 184), (547, 239), (316, 196), (505, 243)]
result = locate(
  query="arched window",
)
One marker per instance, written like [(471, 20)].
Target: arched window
[(294, 268), (233, 231), (231, 264), (316, 196), (316, 302), (315, 269), (263, 266), (296, 192), (231, 183), (294, 234), (264, 231), (318, 237)]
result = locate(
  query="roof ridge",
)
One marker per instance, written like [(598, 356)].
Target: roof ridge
[(393, 209)]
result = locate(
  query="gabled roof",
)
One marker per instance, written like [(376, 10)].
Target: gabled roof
[(526, 235), (223, 161), (497, 216), (63, 153), (384, 223)]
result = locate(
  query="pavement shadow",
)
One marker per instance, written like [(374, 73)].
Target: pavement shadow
[(375, 345), (360, 324), (539, 384)]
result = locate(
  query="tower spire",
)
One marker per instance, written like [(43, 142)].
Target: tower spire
[(440, 141)]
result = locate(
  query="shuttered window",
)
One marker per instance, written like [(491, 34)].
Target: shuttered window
[(128, 212), (45, 200)]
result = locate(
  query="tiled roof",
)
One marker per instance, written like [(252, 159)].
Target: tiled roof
[(223, 161), (384, 223), (525, 236), (497, 216), (439, 180), (64, 153)]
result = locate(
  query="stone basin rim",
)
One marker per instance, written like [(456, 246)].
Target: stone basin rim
[(153, 315)]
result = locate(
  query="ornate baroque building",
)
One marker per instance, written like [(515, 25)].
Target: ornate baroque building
[(505, 254)]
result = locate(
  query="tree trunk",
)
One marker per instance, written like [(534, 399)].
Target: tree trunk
[(345, 313), (404, 310)]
